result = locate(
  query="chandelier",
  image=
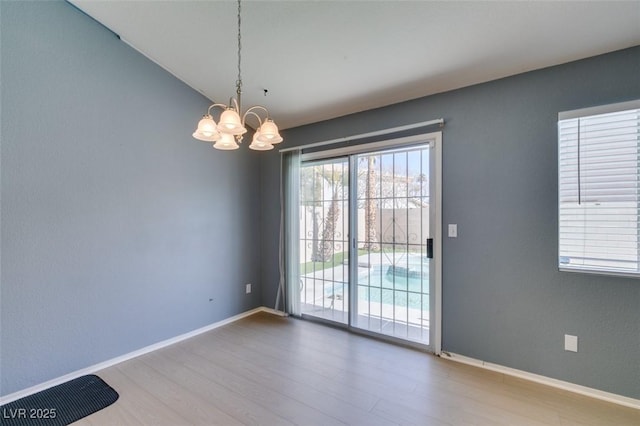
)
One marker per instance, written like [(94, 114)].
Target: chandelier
[(227, 133)]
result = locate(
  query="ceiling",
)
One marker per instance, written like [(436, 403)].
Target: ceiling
[(322, 59)]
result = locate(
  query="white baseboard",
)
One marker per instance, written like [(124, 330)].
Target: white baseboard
[(101, 366), (583, 390), (560, 384), (274, 312)]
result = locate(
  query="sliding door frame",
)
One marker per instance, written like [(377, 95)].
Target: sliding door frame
[(434, 138)]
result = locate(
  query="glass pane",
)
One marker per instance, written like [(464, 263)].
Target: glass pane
[(324, 225), (393, 226)]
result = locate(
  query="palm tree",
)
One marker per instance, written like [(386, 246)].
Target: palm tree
[(370, 205), (311, 192), (336, 179)]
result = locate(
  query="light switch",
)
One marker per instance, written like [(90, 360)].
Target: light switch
[(453, 230), (570, 343)]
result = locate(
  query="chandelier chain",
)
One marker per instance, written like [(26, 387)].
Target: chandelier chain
[(239, 81)]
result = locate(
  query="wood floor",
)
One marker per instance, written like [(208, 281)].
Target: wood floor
[(270, 370)]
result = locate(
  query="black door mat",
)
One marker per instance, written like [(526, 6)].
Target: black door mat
[(60, 405)]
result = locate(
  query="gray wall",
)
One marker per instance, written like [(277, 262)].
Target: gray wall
[(504, 300), (117, 226)]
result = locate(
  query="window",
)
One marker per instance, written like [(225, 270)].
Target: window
[(599, 189)]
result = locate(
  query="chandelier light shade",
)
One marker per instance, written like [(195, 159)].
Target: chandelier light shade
[(207, 131), (269, 132), (232, 123), (259, 145), (227, 142)]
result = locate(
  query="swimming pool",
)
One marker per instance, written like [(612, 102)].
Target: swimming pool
[(404, 286)]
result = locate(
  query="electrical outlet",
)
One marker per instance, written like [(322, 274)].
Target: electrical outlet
[(570, 343), (453, 230), (248, 288)]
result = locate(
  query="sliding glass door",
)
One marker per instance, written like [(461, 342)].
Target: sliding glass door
[(392, 219), (368, 238)]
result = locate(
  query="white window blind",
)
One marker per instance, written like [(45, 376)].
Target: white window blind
[(599, 189)]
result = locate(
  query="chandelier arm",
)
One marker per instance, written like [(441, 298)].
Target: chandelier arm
[(221, 106), (263, 108), (235, 103), (249, 112)]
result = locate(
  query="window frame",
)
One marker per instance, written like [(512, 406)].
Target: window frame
[(584, 113)]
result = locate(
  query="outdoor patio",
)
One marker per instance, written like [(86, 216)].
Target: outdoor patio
[(387, 303)]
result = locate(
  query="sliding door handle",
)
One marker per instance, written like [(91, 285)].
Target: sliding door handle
[(429, 248)]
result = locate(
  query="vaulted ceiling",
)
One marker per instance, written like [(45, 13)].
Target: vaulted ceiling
[(323, 59)]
